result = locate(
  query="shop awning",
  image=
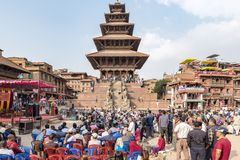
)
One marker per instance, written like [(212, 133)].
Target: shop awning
[(208, 62), (25, 84), (188, 60), (211, 69), (227, 70)]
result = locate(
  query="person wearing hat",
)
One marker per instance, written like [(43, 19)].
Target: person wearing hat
[(94, 140), (70, 137), (222, 148)]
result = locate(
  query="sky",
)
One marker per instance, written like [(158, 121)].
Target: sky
[(60, 32)]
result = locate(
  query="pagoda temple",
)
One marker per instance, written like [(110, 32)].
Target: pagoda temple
[(117, 49)]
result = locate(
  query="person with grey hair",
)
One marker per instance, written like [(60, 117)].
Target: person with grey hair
[(11, 144), (4, 149)]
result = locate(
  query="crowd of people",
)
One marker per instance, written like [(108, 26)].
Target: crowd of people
[(195, 135), (123, 78)]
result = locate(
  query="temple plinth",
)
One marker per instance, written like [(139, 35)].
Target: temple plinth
[(117, 49)]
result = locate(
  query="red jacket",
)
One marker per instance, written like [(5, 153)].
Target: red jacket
[(138, 135), (14, 147), (161, 144), (135, 147)]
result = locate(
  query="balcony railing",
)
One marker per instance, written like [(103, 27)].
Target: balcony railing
[(236, 96), (191, 89), (237, 86), (207, 94), (216, 73), (193, 98), (217, 85), (227, 94)]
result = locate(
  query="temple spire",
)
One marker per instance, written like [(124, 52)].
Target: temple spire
[(117, 49)]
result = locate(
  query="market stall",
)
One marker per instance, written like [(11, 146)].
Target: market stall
[(7, 87)]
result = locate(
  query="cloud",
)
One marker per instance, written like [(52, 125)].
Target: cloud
[(207, 8), (207, 38), (217, 32)]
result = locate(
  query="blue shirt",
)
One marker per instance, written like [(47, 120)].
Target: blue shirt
[(107, 138), (117, 135), (164, 121), (36, 131), (50, 131), (40, 137), (149, 120)]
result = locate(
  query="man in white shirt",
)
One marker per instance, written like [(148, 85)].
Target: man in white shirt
[(236, 123), (131, 127), (71, 135), (2, 128), (181, 130), (5, 150), (94, 140)]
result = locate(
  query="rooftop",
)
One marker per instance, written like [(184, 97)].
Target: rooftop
[(6, 62), (117, 53), (70, 73), (117, 36)]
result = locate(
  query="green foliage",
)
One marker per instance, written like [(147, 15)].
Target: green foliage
[(160, 87)]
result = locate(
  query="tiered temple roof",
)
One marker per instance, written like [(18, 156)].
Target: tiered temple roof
[(117, 47)]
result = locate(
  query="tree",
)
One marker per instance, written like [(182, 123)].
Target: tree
[(160, 88)]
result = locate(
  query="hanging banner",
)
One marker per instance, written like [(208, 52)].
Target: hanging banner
[(5, 99), (4, 96)]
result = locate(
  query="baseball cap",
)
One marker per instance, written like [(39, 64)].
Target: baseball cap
[(222, 130)]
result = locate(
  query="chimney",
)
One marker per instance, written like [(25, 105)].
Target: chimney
[(1, 51)]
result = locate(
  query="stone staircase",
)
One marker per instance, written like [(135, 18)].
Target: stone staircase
[(97, 99), (119, 95), (120, 98), (141, 99)]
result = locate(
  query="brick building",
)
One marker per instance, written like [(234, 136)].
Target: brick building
[(237, 91), (80, 82), (9, 70), (43, 71), (205, 84)]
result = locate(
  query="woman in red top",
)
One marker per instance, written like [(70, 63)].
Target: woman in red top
[(138, 135), (135, 147), (161, 144)]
